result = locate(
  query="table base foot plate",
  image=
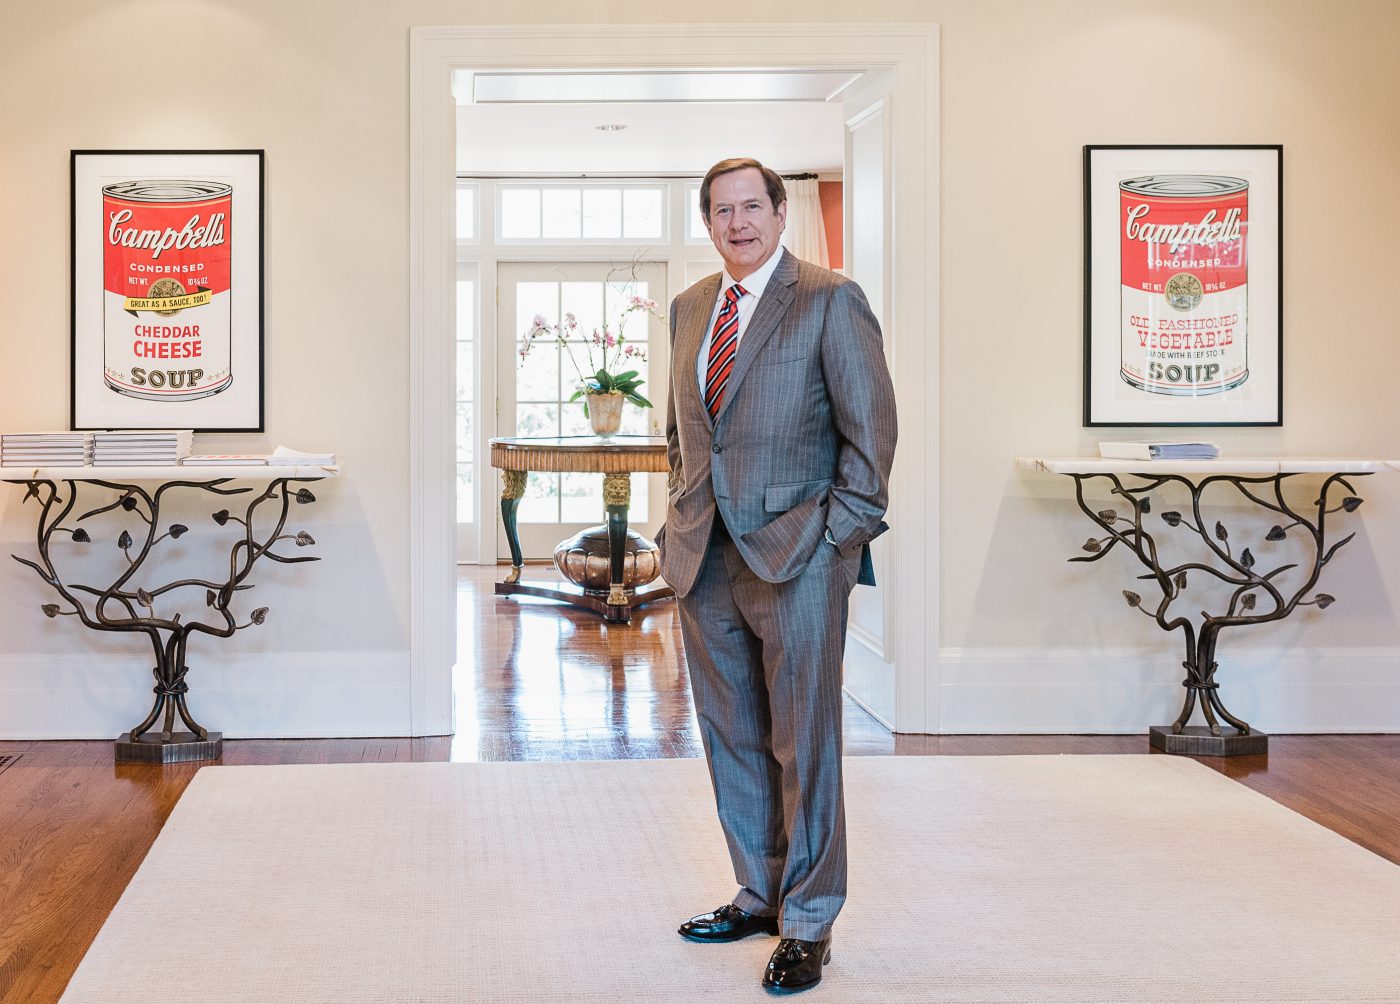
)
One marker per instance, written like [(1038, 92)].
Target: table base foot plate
[(567, 592), (183, 747), (1196, 740)]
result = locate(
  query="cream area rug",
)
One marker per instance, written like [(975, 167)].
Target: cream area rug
[(1066, 878)]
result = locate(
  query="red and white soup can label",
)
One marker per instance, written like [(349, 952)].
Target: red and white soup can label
[(167, 315), (1185, 270)]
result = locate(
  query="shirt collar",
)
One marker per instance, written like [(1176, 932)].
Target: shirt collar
[(756, 282)]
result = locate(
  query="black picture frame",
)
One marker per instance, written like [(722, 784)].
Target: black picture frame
[(167, 290), (1186, 332)]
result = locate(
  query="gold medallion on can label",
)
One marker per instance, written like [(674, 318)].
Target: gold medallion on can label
[(1184, 292)]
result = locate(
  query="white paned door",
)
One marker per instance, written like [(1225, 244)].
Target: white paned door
[(533, 390)]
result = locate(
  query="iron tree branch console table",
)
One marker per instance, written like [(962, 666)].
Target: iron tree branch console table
[(128, 602), (1125, 516)]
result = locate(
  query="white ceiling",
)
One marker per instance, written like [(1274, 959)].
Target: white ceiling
[(660, 138), (538, 123), (633, 86)]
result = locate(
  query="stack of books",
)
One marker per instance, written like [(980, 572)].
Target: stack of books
[(1159, 451), (283, 457), (45, 449), (141, 447)]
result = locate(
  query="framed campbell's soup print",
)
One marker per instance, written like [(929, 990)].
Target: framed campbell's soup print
[(1183, 300), (167, 290)]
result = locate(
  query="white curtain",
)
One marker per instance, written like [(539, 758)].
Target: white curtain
[(805, 234)]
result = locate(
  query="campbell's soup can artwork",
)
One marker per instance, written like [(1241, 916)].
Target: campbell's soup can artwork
[(1185, 270), (167, 314)]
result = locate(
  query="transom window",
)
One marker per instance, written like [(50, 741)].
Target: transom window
[(563, 213)]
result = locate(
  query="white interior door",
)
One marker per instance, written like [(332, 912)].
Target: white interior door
[(533, 391), (870, 671)]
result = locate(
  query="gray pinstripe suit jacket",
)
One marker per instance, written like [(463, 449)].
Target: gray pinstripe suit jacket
[(805, 436)]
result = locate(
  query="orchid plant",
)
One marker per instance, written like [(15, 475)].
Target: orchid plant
[(607, 354)]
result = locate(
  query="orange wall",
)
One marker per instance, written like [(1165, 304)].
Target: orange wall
[(834, 220)]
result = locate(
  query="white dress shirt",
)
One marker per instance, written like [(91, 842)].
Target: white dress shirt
[(754, 284)]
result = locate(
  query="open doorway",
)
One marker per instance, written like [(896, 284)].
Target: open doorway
[(894, 130), (564, 193), (556, 229)]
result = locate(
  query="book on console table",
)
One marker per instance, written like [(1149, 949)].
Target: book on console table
[(45, 449), (286, 457), (140, 447), (1159, 451), (226, 460)]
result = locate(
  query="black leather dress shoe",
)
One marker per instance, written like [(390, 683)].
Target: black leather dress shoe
[(796, 965), (728, 923)]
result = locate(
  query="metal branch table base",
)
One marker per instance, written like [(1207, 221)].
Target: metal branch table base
[(1251, 594), (129, 602)]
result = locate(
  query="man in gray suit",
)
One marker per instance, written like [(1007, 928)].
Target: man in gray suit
[(780, 430)]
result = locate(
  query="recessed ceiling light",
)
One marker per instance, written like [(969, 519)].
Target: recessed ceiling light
[(612, 127)]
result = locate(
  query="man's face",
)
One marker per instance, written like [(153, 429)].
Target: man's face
[(743, 223)]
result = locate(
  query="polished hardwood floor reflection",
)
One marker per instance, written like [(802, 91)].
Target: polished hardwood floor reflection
[(536, 681), (539, 680)]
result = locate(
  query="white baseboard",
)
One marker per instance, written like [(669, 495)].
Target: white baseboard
[(856, 699), (869, 678), (285, 695), (981, 691), (990, 691)]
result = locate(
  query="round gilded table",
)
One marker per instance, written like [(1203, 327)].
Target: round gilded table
[(614, 457)]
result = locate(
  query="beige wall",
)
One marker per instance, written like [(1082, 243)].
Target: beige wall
[(322, 86), (1022, 95)]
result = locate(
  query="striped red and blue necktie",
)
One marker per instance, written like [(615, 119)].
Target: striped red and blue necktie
[(723, 345)]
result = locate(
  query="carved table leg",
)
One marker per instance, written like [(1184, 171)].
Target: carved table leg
[(511, 493), (617, 496)]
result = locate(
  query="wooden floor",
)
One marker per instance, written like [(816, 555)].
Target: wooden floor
[(537, 682)]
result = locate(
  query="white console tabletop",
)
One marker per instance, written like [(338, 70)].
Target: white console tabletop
[(250, 472), (1224, 465)]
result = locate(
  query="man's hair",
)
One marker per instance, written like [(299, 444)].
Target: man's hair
[(777, 192)]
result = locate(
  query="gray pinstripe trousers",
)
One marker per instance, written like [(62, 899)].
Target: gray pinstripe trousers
[(765, 672)]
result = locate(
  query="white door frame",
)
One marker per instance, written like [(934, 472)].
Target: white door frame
[(911, 50)]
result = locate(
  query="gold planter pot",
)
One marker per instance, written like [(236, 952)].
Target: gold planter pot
[(605, 413)]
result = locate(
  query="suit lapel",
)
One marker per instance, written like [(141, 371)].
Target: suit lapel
[(690, 335), (777, 297)]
